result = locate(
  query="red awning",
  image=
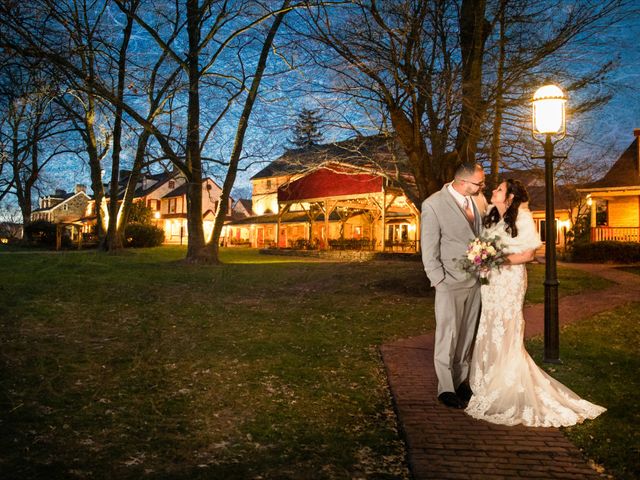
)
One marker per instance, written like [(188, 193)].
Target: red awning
[(330, 182)]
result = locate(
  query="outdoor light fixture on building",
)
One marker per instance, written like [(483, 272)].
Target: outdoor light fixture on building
[(549, 121)]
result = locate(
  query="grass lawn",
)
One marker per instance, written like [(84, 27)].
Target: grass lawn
[(137, 366), (600, 362)]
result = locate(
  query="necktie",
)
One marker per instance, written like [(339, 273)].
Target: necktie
[(468, 210)]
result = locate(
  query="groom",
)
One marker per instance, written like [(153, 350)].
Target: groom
[(451, 218)]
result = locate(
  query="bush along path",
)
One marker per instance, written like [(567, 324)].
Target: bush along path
[(445, 443)]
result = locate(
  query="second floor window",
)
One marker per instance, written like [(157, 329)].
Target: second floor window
[(172, 184)]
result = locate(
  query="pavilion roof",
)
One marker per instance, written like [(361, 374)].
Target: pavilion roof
[(331, 180)]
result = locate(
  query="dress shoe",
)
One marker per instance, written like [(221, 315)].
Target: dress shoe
[(450, 399), (464, 392)]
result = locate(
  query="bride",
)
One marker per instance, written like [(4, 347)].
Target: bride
[(508, 388)]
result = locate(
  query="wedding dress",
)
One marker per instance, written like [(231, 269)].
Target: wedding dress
[(508, 387)]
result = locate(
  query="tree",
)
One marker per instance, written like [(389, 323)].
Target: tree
[(520, 50), (420, 64), (429, 68), (213, 33), (32, 131), (307, 129)]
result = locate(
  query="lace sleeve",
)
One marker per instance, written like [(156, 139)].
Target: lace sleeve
[(527, 237)]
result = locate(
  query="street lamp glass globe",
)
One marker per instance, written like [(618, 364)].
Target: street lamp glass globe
[(549, 110)]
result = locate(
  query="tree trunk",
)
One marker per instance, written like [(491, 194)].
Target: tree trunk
[(127, 199), (230, 178), (196, 250), (474, 30), (496, 130), (114, 240), (95, 168)]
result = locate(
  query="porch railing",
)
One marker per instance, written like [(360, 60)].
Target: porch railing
[(620, 234)]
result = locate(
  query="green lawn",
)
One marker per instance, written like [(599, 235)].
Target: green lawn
[(600, 361), (137, 365)]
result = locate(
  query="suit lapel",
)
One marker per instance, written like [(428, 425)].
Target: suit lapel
[(456, 208)]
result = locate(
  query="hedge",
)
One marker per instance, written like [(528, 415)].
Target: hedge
[(607, 251), (138, 235)]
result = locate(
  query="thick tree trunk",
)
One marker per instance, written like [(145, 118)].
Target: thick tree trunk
[(474, 30), (415, 149), (196, 250)]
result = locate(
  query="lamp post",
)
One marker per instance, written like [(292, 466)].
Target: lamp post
[(549, 121)]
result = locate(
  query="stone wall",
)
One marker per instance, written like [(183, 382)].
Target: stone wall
[(342, 255)]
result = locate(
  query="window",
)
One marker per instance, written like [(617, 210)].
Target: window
[(172, 205), (269, 184), (543, 231), (172, 184)]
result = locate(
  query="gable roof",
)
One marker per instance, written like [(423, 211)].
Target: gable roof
[(372, 152), (177, 192), (182, 189), (66, 198), (623, 173)]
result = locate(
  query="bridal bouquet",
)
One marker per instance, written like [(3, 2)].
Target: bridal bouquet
[(483, 255)]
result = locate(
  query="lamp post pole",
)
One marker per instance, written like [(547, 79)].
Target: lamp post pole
[(549, 119), (551, 325)]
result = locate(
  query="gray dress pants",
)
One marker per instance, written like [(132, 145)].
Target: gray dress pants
[(457, 312)]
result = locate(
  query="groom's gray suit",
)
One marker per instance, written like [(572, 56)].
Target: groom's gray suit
[(445, 235)]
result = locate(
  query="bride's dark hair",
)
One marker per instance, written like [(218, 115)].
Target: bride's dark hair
[(520, 196)]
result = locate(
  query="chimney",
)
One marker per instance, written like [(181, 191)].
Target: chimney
[(636, 133), (80, 188)]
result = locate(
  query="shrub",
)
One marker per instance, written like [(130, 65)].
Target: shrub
[(608, 251), (138, 235), (140, 213), (302, 244)]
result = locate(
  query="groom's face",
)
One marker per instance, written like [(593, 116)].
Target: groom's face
[(475, 183)]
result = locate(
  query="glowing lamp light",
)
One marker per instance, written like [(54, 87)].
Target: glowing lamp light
[(589, 200), (549, 110), (412, 227), (156, 215)]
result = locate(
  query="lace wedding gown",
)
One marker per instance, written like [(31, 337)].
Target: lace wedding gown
[(508, 387)]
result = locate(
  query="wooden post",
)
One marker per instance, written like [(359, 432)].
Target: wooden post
[(326, 223), (58, 236), (384, 218)]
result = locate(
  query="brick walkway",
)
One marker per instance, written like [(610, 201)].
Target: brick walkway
[(445, 443)]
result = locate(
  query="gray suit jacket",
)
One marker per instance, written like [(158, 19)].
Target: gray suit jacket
[(445, 234)]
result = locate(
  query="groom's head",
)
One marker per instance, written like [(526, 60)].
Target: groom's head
[(469, 179)]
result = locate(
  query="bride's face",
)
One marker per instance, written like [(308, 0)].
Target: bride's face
[(499, 196)]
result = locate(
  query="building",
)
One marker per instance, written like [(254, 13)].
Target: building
[(566, 203), (615, 198), (164, 193), (62, 206), (348, 194), (171, 213)]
